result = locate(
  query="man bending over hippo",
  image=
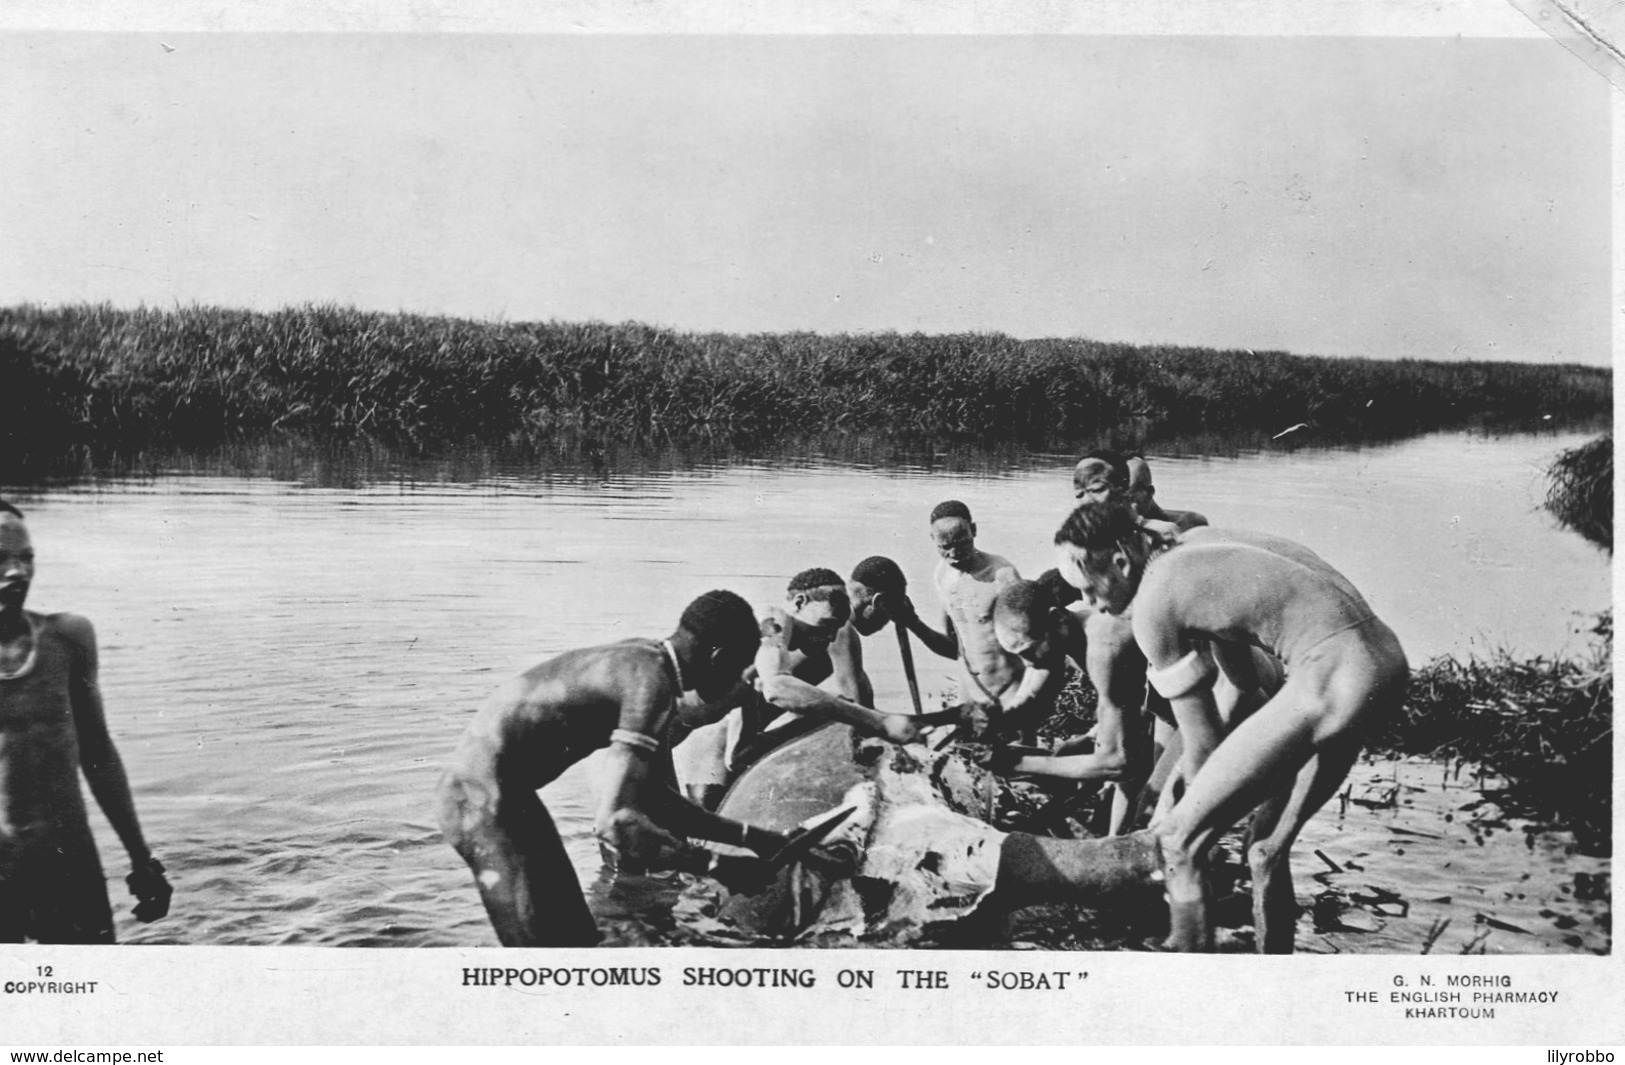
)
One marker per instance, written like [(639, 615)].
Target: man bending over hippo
[(623, 696), (1033, 626), (1200, 604)]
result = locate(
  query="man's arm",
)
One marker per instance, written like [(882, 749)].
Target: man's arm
[(677, 814), (98, 758), (846, 661), (104, 770), (945, 644), (1182, 671), (646, 823), (1033, 698), (1116, 668), (788, 692)]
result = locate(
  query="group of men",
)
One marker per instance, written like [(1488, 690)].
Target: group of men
[(1261, 665)]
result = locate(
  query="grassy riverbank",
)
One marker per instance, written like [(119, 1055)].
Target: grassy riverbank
[(1544, 726), (1580, 490), (94, 375)]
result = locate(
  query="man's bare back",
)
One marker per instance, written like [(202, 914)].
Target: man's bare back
[(623, 697), (1195, 600)]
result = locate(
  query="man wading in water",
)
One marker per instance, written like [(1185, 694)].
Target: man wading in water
[(52, 726), (623, 696), (1200, 605)]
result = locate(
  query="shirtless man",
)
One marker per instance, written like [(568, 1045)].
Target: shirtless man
[(1031, 624), (1103, 475), (968, 580), (812, 644), (1143, 494), (622, 696), (1199, 605), (796, 655), (52, 726), (1116, 668), (877, 583)]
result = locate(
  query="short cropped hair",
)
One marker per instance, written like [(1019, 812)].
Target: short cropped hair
[(950, 508), (817, 577), (1115, 461), (881, 574), (721, 619), (1056, 585), (1097, 526), (7, 508), (1139, 472), (1025, 599)]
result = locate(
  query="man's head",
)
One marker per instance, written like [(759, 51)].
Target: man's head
[(1063, 594), (818, 602), (953, 532), (1024, 620), (1099, 551), (16, 559), (722, 632), (1141, 492), (874, 580), (1101, 475)]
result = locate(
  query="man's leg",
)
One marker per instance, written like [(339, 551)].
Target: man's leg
[(525, 877), (1275, 827), (65, 897), (1241, 773), (1116, 668), (1367, 681)]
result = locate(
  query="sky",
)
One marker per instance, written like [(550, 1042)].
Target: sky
[(1429, 197)]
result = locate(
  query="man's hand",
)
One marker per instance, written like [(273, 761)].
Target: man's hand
[(898, 607), (1001, 760), (980, 720), (151, 890), (742, 876), (639, 844), (899, 728), (764, 841)]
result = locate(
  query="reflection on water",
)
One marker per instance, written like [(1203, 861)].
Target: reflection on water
[(292, 641), (1414, 859)]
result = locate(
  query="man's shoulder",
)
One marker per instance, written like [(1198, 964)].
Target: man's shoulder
[(995, 569), (1188, 519), (1002, 568), (73, 628), (624, 658)]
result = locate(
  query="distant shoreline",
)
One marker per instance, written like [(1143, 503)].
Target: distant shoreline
[(196, 377)]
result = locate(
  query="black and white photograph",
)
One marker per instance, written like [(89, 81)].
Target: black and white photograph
[(642, 517)]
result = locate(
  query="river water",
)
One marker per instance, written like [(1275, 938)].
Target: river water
[(287, 665)]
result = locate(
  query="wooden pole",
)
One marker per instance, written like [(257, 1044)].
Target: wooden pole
[(907, 652)]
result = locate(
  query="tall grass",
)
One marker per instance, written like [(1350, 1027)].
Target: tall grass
[(1581, 490), (1544, 725), (194, 376)]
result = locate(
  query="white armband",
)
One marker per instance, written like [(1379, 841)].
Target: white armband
[(1194, 671), (638, 741)]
